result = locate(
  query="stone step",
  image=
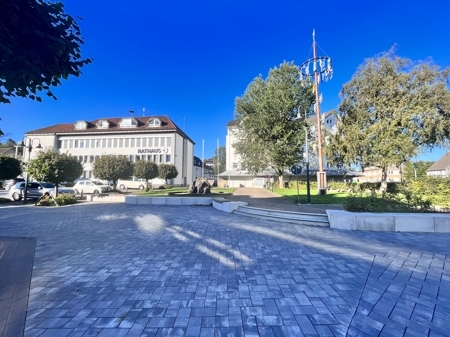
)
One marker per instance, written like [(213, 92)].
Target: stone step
[(314, 219)]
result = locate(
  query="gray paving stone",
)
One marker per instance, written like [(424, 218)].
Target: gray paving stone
[(123, 267)]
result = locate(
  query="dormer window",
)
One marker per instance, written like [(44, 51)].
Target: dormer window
[(154, 122), (128, 123), (102, 124), (80, 125)]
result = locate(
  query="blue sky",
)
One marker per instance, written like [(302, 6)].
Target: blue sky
[(189, 60)]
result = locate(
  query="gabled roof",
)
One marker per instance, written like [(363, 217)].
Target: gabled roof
[(442, 164), (142, 125)]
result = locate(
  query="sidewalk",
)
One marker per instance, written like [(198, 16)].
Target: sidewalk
[(262, 198)]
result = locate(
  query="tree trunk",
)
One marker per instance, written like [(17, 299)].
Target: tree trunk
[(280, 181), (383, 187)]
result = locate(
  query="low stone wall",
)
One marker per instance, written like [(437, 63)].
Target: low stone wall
[(188, 201), (226, 205), (393, 222), (104, 197)]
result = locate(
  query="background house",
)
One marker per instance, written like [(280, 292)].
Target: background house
[(440, 168)]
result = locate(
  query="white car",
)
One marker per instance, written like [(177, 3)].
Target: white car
[(90, 186), (35, 190), (132, 182)]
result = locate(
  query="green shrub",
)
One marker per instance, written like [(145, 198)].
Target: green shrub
[(60, 200), (403, 202)]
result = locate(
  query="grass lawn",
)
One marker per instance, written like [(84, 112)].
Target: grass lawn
[(332, 197), (163, 193)]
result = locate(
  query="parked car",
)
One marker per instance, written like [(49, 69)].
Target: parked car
[(35, 190), (11, 182), (131, 182), (90, 186)]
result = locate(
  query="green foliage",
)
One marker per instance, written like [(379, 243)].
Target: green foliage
[(9, 142), (54, 167), (434, 189), (9, 167), (220, 157), (404, 202), (267, 133), (61, 200), (390, 110), (40, 45), (146, 170), (416, 170), (111, 167), (167, 171)]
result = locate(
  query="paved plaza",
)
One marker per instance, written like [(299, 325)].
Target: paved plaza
[(139, 270)]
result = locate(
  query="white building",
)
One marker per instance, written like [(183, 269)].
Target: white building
[(155, 138), (234, 176), (440, 168)]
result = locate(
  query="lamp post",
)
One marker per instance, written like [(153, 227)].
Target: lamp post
[(306, 156), (318, 69), (30, 148)]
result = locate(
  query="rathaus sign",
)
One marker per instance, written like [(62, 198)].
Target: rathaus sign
[(165, 150)]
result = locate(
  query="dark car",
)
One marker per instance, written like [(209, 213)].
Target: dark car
[(11, 182)]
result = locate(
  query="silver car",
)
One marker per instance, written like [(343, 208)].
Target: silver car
[(90, 186), (35, 190)]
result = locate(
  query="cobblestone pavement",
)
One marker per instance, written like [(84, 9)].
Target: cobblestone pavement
[(139, 270)]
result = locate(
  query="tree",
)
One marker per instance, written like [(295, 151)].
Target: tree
[(9, 143), (416, 170), (146, 170), (220, 159), (9, 167), (54, 167), (39, 45), (390, 111), (111, 167), (267, 133), (167, 171)]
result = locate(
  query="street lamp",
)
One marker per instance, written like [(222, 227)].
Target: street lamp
[(30, 148), (319, 68)]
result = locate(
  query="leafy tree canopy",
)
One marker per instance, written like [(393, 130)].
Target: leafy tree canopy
[(390, 110), (54, 167), (416, 170), (111, 167), (9, 167), (167, 171), (9, 143), (220, 159), (267, 133), (39, 46), (146, 170)]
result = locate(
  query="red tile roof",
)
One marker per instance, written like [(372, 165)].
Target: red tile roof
[(142, 125)]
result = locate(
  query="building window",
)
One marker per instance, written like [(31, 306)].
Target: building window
[(154, 158), (132, 142), (80, 125), (110, 142), (127, 142), (115, 142), (120, 142), (82, 144), (128, 123), (138, 142), (169, 141), (98, 143), (167, 158), (132, 158), (161, 158), (70, 144), (154, 122), (149, 157), (138, 158), (144, 142), (156, 142), (150, 142), (163, 141), (103, 143), (65, 144), (103, 124)]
